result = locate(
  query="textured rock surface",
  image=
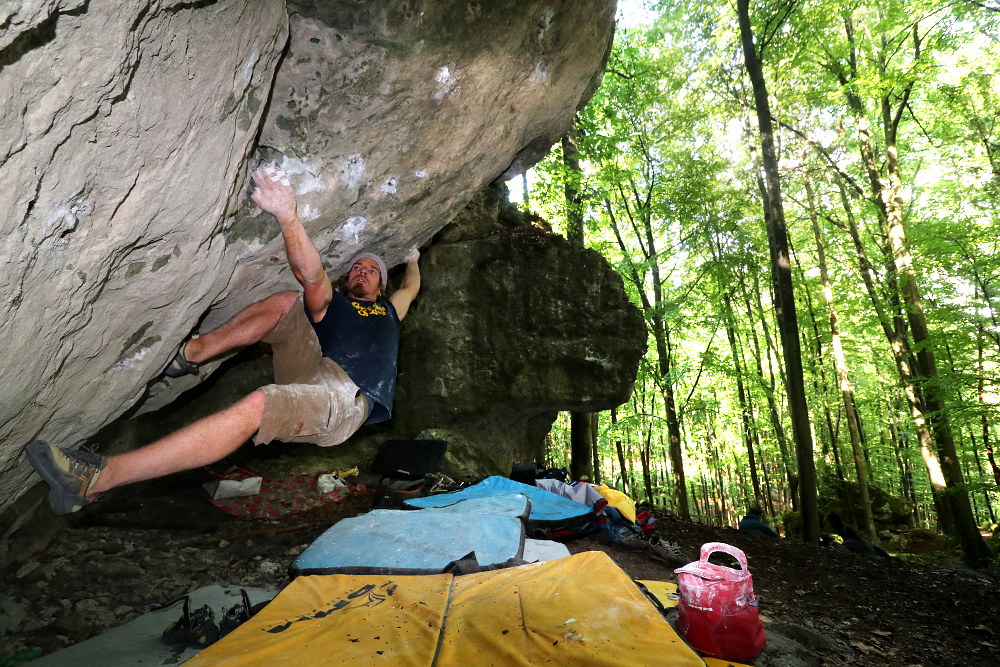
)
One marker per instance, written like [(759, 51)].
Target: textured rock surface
[(513, 325), (129, 130), (115, 119)]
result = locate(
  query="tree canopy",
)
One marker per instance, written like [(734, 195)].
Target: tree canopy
[(884, 126)]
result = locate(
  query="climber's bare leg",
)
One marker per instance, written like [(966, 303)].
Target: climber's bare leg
[(201, 443), (247, 327)]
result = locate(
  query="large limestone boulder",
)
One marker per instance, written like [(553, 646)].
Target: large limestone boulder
[(514, 324), (130, 129)]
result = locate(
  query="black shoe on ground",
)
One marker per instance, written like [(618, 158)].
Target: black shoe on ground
[(631, 541), (236, 615), (195, 628), (69, 474)]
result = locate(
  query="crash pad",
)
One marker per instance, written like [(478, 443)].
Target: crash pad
[(578, 610), (542, 550), (719, 662), (664, 591), (420, 542), (549, 511), (138, 641)]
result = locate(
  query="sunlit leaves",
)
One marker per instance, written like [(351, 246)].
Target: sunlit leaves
[(668, 162)]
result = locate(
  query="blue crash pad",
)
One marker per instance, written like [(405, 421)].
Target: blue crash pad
[(423, 542), (548, 510)]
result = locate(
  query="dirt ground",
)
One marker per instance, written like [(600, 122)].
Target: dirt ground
[(837, 608), (849, 609)]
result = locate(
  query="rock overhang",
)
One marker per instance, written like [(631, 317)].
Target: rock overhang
[(126, 224)]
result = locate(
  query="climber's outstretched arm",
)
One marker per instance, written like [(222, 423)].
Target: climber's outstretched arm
[(408, 288), (274, 194)]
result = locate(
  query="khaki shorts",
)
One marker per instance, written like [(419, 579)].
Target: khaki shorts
[(312, 399)]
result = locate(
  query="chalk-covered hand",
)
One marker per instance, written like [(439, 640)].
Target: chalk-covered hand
[(411, 255), (274, 192)]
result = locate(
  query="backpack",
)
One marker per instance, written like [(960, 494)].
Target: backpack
[(718, 609)]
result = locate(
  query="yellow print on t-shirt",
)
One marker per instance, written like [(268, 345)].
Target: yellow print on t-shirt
[(365, 311)]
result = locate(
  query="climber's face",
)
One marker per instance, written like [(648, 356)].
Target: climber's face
[(364, 280)]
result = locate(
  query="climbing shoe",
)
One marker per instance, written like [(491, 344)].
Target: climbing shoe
[(69, 474), (179, 366), (239, 613), (631, 541), (195, 628), (667, 552), (235, 615), (232, 618)]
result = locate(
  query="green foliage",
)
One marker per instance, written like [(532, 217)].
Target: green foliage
[(672, 201)]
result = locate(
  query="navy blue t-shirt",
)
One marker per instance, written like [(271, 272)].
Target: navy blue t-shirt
[(363, 337)]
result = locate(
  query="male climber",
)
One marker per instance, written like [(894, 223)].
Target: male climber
[(334, 367)]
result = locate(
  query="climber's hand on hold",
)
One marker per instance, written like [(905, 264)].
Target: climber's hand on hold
[(274, 193)]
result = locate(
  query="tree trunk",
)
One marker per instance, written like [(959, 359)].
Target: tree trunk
[(644, 458), (886, 192), (673, 433), (581, 423), (785, 300), (581, 441), (595, 429), (983, 417), (846, 390), (767, 386), (620, 450), (905, 368), (741, 394), (653, 310)]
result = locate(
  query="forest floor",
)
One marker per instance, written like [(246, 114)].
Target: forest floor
[(822, 606)]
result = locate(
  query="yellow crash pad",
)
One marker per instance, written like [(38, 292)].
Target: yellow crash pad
[(664, 591), (578, 610), (718, 662)]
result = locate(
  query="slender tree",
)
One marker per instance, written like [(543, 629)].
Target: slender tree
[(782, 277), (582, 433)]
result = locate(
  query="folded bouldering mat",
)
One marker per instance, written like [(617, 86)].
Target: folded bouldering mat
[(549, 511), (578, 610), (542, 550), (420, 542)]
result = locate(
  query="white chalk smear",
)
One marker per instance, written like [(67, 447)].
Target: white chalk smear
[(446, 82), (307, 174), (246, 72), (546, 22), (308, 212), (352, 227), (540, 75), (354, 171), (389, 187), (138, 356), (420, 173)]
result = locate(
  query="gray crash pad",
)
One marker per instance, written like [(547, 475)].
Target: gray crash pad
[(138, 642)]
